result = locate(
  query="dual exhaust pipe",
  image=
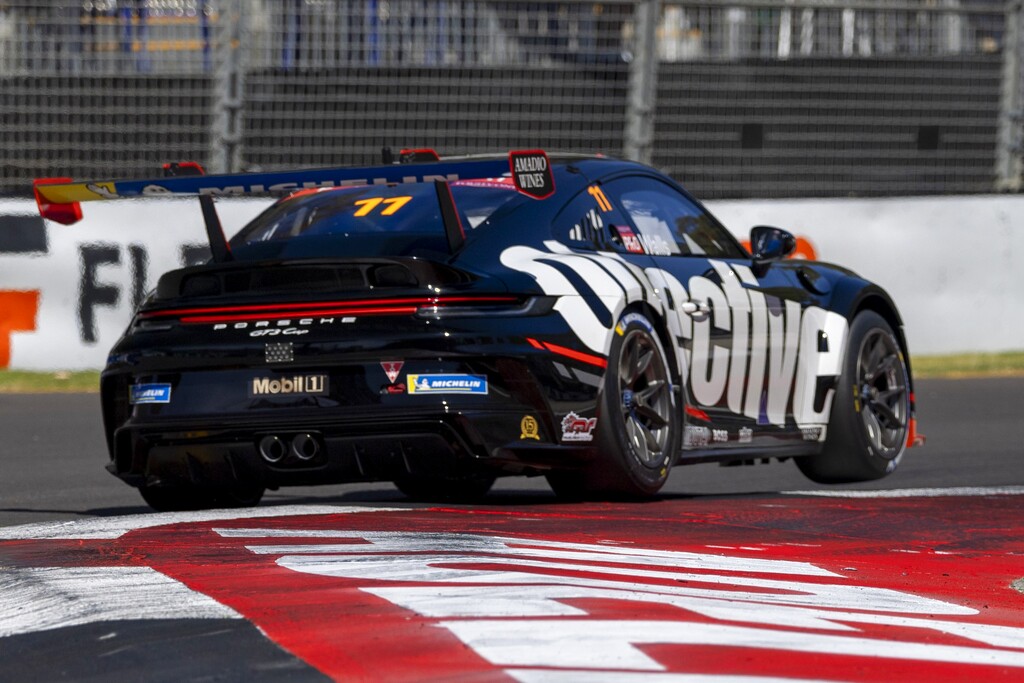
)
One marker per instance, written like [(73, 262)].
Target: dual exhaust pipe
[(303, 447)]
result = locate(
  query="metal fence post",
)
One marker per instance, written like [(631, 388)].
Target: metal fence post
[(229, 88), (643, 81), (1010, 146)]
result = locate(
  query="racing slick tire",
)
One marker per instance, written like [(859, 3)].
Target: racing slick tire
[(461, 489), (184, 498), (867, 429), (638, 429)]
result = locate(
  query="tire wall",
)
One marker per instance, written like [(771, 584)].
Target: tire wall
[(949, 263)]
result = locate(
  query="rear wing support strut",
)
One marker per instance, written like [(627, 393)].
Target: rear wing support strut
[(219, 247), (453, 228)]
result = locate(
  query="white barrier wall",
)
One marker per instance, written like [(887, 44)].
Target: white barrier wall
[(950, 263), (85, 279), (67, 292)]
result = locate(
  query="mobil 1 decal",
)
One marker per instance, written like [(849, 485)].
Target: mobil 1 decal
[(531, 173), (750, 353)]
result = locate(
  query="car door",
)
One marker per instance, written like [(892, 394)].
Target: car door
[(738, 332)]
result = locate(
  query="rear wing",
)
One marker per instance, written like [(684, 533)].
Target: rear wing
[(59, 199)]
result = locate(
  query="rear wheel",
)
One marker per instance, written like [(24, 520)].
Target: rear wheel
[(637, 435), (867, 429), (187, 497), (462, 489)]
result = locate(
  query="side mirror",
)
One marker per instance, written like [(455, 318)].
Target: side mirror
[(769, 244)]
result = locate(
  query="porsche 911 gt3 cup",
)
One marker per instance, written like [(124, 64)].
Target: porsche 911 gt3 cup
[(442, 323)]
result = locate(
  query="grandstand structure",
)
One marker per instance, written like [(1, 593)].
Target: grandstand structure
[(735, 98)]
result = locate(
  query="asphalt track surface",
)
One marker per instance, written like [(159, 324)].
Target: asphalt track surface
[(52, 453), (729, 573)]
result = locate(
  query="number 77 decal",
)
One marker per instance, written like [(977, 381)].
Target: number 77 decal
[(602, 201), (392, 205)]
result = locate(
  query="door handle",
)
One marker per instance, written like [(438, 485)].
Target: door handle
[(692, 307)]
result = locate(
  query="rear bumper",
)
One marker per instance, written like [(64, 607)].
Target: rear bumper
[(175, 453), (356, 391)]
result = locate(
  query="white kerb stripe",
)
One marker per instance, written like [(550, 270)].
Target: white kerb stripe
[(917, 493), (45, 598), (115, 527)]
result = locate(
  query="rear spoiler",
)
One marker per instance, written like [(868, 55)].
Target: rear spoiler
[(59, 199)]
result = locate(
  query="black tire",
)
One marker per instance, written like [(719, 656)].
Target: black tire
[(638, 428), (867, 428), (467, 488), (185, 498)]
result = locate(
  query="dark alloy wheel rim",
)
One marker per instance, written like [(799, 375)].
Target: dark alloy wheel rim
[(646, 398), (882, 392)]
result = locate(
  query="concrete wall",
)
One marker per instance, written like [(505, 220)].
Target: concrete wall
[(950, 263), (954, 265)]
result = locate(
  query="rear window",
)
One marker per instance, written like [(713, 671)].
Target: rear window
[(369, 220), (479, 200)]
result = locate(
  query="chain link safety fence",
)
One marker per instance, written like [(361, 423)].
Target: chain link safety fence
[(754, 98)]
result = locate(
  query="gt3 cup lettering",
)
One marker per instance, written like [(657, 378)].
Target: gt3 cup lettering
[(273, 332)]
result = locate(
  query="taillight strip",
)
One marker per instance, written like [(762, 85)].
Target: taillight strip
[(599, 361), (401, 306)]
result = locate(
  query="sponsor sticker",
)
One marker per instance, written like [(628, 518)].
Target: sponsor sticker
[(529, 428), (104, 190), (488, 183), (634, 318), (813, 433), (746, 435), (696, 437), (447, 384), (531, 173), (149, 393), (629, 240), (392, 368), (297, 385), (576, 428)]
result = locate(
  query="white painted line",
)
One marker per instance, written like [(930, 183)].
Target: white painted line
[(44, 598), (591, 676), (917, 493), (454, 545), (115, 527), (607, 644)]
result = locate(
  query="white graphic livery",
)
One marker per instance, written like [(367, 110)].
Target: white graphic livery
[(777, 350)]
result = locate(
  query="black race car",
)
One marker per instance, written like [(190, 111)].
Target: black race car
[(444, 322)]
